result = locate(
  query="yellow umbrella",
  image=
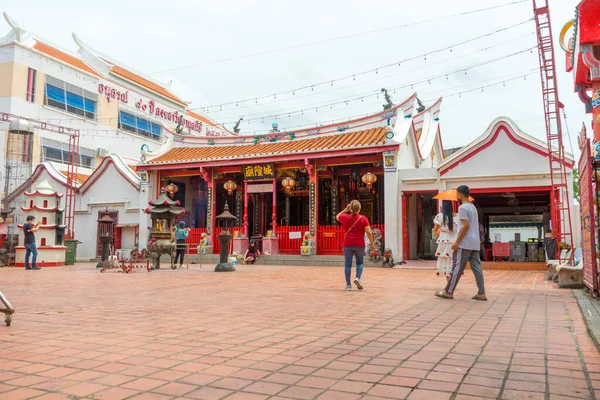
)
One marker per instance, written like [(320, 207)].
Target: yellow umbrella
[(449, 195)]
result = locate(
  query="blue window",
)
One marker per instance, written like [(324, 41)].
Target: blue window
[(62, 156), (64, 96), (139, 126)]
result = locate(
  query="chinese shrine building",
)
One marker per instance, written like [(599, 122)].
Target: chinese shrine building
[(283, 184), (508, 174)]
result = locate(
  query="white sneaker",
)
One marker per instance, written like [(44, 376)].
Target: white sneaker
[(348, 288), (358, 284)]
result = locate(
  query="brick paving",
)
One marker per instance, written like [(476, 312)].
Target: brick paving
[(290, 333)]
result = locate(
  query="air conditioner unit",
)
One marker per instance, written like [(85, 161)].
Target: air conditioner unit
[(101, 152)]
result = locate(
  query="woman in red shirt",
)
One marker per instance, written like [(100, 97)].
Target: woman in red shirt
[(355, 225)]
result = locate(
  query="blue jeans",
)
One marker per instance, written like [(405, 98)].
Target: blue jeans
[(30, 248), (357, 252)]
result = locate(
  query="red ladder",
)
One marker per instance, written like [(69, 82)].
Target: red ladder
[(560, 210), (73, 160)]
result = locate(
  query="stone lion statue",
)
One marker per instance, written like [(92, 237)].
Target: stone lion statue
[(377, 242), (388, 260)]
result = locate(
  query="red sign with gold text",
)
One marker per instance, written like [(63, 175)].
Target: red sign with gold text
[(588, 221)]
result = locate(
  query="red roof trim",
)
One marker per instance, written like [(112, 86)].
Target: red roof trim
[(266, 158), (99, 171), (41, 208), (38, 193), (501, 126)]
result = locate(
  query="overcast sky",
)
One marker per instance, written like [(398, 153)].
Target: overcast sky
[(153, 36)]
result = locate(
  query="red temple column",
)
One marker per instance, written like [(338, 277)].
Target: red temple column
[(271, 242), (240, 244), (313, 189), (246, 228), (274, 208)]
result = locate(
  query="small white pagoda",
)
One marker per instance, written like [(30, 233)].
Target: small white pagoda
[(44, 205)]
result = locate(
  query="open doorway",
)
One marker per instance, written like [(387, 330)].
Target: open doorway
[(515, 223), (418, 212)]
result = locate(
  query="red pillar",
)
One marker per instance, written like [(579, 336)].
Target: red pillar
[(246, 209), (314, 201), (274, 208), (596, 113)]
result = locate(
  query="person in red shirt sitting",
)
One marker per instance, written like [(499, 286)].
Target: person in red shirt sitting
[(355, 225)]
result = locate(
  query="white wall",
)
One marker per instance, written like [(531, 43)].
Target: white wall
[(110, 190)]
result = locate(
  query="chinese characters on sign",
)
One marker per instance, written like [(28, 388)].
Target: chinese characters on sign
[(259, 171)]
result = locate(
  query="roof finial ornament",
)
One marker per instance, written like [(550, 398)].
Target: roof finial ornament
[(19, 31), (236, 128), (178, 128), (388, 100), (421, 107)]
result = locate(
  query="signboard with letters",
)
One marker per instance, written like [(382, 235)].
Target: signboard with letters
[(259, 171), (260, 188)]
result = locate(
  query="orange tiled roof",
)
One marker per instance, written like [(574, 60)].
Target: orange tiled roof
[(367, 138), (64, 57), (200, 118), (134, 169), (144, 83), (78, 177), (418, 134)]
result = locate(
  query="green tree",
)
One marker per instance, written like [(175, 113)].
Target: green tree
[(576, 184)]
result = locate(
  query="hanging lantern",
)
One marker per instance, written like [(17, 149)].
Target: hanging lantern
[(288, 183), (230, 186), (369, 179)]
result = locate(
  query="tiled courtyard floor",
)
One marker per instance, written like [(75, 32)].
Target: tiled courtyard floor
[(290, 333)]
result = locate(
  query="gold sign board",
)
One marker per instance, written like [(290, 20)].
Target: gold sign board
[(259, 171)]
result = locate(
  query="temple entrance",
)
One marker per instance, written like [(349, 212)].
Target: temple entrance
[(419, 210), (259, 214)]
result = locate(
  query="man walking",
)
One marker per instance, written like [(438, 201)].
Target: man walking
[(30, 249), (466, 248)]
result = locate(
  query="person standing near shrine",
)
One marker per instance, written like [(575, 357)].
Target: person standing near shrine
[(467, 247), (355, 225), (181, 234), (29, 241)]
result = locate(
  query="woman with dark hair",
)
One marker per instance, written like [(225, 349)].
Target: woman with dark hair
[(251, 254), (181, 234), (445, 228)]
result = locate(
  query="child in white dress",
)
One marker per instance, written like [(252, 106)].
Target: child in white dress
[(446, 229)]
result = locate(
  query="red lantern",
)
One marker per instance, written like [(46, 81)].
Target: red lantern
[(369, 179), (230, 186)]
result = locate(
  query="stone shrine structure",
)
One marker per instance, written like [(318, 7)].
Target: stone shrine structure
[(44, 205)]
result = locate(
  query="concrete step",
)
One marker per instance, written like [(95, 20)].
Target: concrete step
[(292, 260)]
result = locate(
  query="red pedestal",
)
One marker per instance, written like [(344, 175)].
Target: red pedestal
[(240, 245), (270, 245)]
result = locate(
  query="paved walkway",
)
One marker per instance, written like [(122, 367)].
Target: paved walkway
[(290, 333)]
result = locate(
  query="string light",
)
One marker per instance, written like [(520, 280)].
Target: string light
[(376, 70), (377, 93), (343, 37)]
